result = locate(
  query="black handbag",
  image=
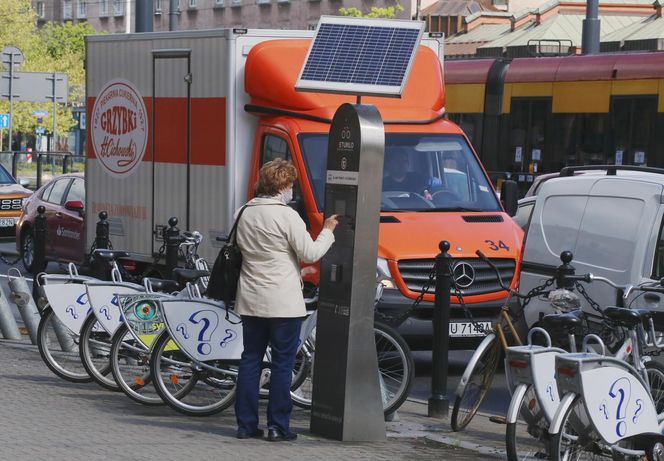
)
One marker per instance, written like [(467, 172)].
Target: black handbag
[(226, 270)]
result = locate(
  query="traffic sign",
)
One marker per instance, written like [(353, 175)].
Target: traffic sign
[(4, 121), (11, 56), (39, 113), (40, 130)]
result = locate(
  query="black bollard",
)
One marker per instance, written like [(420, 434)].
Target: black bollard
[(439, 402), (172, 240), (100, 267), (39, 252), (565, 269)]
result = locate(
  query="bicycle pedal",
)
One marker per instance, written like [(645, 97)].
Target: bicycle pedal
[(498, 419)]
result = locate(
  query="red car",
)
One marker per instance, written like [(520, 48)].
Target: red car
[(64, 200)]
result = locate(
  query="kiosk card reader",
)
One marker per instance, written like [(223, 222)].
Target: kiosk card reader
[(347, 401)]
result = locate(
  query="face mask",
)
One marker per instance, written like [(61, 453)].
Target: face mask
[(286, 196)]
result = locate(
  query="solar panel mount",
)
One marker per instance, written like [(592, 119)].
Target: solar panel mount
[(360, 56)]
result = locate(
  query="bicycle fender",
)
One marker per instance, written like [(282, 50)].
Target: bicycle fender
[(515, 403), (486, 343), (557, 421)]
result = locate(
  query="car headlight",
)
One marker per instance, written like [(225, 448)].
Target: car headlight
[(383, 275)]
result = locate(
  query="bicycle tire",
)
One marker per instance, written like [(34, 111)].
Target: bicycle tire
[(655, 371), (535, 419), (95, 348), (130, 368), (395, 365), (210, 392), (466, 403), (567, 444), (66, 364)]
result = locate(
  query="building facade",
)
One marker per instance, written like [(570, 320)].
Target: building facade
[(118, 16)]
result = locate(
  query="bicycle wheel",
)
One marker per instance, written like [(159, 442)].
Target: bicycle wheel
[(186, 387), (59, 348), (95, 353), (130, 366), (303, 375), (577, 440), (395, 365), (655, 371), (483, 366), (537, 427)]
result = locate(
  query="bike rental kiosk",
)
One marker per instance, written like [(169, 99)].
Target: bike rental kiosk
[(359, 57)]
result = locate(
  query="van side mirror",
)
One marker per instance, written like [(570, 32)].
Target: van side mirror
[(509, 196)]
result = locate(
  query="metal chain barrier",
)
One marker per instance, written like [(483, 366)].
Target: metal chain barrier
[(398, 319), (8, 261)]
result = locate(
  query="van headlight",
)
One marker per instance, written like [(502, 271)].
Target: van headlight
[(383, 275)]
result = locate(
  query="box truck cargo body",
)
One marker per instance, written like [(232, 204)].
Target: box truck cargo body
[(180, 123)]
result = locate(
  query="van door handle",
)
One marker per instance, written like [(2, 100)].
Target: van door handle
[(652, 297)]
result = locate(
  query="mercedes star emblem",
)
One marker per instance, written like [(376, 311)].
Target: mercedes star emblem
[(464, 274)]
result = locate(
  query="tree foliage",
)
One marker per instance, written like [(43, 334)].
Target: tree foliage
[(389, 12), (53, 48)]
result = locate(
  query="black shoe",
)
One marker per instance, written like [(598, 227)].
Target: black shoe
[(274, 435), (257, 434)]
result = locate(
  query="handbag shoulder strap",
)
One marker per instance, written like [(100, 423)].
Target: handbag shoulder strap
[(232, 237)]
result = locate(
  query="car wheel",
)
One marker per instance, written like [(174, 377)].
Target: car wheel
[(28, 253)]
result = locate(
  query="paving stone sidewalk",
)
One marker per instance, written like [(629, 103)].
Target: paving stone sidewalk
[(43, 417)]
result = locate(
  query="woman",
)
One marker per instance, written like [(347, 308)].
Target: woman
[(273, 239)]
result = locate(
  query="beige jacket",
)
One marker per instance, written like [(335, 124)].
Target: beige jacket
[(273, 239)]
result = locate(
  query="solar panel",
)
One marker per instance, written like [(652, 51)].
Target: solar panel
[(360, 56)]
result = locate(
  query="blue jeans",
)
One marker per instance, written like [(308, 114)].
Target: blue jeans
[(283, 335)]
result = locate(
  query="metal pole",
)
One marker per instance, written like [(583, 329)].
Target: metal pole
[(591, 28), (144, 16), (54, 113), (439, 402), (172, 239), (101, 242), (8, 324), (39, 171), (172, 15), (11, 97), (39, 248)]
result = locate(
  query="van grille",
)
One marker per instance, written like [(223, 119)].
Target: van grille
[(483, 218), (11, 204), (415, 273)]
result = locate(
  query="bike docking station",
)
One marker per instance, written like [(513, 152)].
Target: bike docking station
[(346, 56)]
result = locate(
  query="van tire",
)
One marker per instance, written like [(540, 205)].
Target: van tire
[(28, 253)]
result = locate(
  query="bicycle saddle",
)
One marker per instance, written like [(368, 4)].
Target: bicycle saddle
[(569, 320), (189, 275), (110, 255), (626, 317), (164, 285)]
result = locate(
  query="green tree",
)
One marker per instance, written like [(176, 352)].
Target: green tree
[(389, 12), (54, 48)]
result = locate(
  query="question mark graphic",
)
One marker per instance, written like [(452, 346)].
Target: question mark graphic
[(104, 310), (602, 407), (230, 336), (83, 299), (549, 390), (209, 326), (71, 311), (182, 328), (637, 413), (622, 390)]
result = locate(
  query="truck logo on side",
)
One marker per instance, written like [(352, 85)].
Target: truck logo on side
[(119, 128)]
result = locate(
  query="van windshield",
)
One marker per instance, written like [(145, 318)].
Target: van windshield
[(422, 172)]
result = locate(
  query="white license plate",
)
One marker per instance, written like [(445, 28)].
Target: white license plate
[(469, 329), (7, 222)]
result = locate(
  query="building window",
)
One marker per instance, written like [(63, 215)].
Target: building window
[(82, 9), (118, 7), (66, 9), (236, 3), (103, 8), (40, 10), (157, 6), (192, 3), (218, 3)]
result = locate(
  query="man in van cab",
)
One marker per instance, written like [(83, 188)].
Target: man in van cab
[(398, 178)]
